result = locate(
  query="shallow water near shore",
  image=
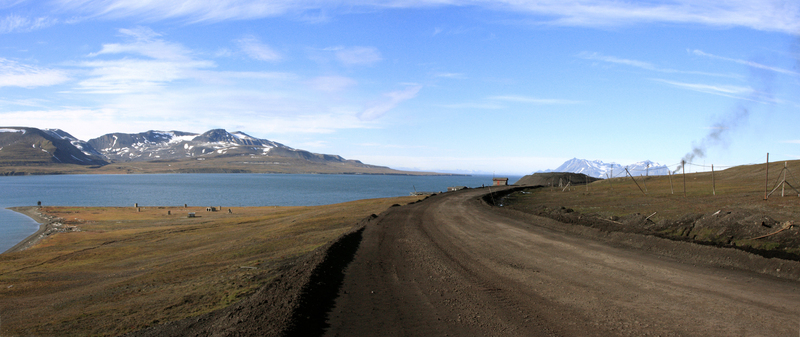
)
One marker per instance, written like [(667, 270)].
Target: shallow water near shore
[(226, 190)]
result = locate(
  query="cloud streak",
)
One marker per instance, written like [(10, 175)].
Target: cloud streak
[(644, 65), (532, 100), (732, 91), (393, 99), (13, 23), (769, 15), (747, 63), (351, 56), (256, 50), (15, 74), (164, 62)]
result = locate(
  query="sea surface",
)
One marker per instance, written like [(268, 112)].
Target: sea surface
[(227, 190)]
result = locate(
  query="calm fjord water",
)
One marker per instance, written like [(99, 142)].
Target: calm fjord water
[(227, 190)]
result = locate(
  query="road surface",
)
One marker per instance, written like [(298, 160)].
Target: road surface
[(452, 265)]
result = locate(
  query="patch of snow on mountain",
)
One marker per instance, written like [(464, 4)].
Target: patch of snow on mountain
[(12, 130), (241, 135), (178, 139)]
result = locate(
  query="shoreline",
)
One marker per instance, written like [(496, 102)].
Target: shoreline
[(47, 226)]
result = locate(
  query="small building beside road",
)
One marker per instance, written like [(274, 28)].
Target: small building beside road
[(500, 181)]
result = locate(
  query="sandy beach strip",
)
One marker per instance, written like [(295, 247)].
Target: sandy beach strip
[(46, 227)]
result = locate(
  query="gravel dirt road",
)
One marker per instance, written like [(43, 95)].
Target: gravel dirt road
[(452, 265)]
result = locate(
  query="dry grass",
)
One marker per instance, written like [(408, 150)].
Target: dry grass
[(127, 269), (741, 187)]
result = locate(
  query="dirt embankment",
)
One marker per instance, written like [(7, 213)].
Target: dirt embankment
[(753, 231)]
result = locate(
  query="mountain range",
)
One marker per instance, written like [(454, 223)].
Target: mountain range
[(599, 169), (26, 150)]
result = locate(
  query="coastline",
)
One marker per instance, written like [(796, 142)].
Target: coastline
[(47, 226)]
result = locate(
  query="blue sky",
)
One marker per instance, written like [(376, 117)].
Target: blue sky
[(505, 87)]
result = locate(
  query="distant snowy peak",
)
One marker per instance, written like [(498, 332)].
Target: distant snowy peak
[(600, 169)]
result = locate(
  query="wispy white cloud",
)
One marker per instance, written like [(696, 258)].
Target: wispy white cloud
[(331, 83), (472, 105), (747, 63), (356, 55), (15, 74), (458, 76), (769, 15), (732, 91), (257, 50), (38, 103), (532, 100), (594, 56), (392, 100), (147, 82), (12, 23), (132, 75), (164, 62), (81, 122), (146, 42), (188, 10), (617, 60)]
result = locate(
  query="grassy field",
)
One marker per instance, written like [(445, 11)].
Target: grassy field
[(122, 269), (728, 209)]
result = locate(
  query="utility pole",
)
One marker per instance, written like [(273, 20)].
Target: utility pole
[(683, 168), (669, 174), (647, 174)]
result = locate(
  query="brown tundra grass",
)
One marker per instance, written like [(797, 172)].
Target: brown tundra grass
[(127, 269)]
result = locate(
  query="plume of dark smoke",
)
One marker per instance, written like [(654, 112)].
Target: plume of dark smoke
[(718, 136)]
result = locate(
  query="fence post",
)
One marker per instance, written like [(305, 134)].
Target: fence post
[(669, 174), (644, 181), (783, 183), (766, 180), (713, 184), (634, 181)]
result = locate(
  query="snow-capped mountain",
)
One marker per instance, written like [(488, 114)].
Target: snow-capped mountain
[(155, 145), (31, 146), (165, 145), (599, 169)]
